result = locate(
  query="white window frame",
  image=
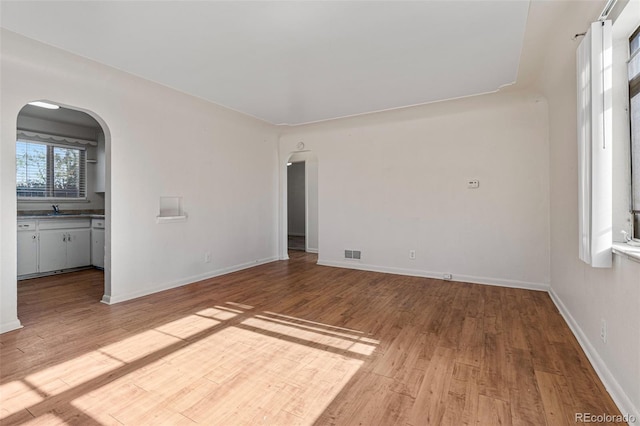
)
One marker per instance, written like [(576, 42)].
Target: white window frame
[(634, 90)]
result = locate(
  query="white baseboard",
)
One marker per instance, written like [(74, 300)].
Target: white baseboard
[(616, 391), (312, 250), (111, 299), (438, 275), (10, 326)]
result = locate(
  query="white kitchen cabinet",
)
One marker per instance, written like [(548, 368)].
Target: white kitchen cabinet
[(52, 244), (78, 248), (97, 243), (27, 248), (100, 169), (53, 250), (64, 244)]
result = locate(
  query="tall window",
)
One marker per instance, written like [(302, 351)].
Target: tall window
[(50, 171), (634, 102)]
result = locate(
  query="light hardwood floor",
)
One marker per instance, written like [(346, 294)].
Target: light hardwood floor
[(293, 343)]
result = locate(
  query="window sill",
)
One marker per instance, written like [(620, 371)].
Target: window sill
[(54, 200), (630, 252)]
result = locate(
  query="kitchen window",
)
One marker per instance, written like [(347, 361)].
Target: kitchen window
[(634, 103), (50, 171)]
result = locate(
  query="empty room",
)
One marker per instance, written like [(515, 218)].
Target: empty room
[(320, 212)]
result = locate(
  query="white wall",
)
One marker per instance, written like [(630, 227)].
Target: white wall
[(397, 181), (159, 142), (586, 295), (94, 201)]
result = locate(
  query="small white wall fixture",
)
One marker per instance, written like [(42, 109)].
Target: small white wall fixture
[(595, 137)]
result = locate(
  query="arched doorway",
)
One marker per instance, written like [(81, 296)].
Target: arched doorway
[(62, 191)]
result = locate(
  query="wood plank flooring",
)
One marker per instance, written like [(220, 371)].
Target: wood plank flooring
[(294, 343)]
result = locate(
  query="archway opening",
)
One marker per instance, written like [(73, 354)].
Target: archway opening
[(302, 202), (62, 195)]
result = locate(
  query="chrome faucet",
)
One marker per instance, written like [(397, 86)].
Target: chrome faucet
[(56, 209)]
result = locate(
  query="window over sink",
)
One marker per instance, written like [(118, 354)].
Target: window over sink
[(50, 171)]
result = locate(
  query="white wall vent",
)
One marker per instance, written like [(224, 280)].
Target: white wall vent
[(352, 254)]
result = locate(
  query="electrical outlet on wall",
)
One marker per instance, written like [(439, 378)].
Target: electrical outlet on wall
[(207, 257), (603, 330), (412, 254)]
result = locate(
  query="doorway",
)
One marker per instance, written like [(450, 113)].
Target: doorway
[(62, 192), (302, 202), (296, 206)]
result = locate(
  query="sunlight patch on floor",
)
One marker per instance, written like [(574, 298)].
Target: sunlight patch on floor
[(188, 326), (219, 313), (80, 369), (264, 369)]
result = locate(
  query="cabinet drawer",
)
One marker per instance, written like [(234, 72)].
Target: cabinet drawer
[(26, 225), (97, 223), (65, 223)]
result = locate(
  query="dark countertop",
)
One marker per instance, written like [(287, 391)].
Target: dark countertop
[(62, 216), (69, 214)]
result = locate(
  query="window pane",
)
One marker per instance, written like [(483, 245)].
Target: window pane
[(634, 44), (66, 173), (31, 169), (634, 67)]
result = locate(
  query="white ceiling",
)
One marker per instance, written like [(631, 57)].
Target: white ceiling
[(61, 115), (293, 62)]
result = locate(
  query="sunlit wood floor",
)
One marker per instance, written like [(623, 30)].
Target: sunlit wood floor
[(293, 343)]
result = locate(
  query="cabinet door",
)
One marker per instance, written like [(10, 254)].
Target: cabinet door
[(78, 247), (27, 253), (53, 250), (97, 247), (100, 165)]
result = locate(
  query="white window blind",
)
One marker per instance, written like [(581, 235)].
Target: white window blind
[(594, 78), (50, 171)]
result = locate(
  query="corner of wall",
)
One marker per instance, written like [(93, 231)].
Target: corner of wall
[(617, 392)]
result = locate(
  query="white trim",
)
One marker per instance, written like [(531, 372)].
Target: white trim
[(437, 275), (110, 299), (627, 251), (10, 326), (312, 250), (612, 386)]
